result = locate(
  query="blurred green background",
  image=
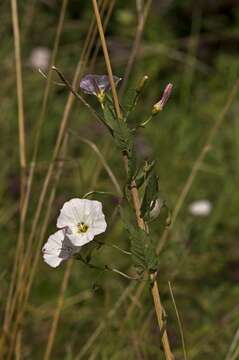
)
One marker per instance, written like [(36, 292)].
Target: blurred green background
[(193, 45)]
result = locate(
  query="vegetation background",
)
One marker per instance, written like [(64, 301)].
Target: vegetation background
[(193, 45)]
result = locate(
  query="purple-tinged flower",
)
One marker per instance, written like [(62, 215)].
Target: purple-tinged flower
[(161, 103), (97, 85)]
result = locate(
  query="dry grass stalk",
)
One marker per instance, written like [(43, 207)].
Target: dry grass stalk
[(103, 163), (142, 17), (187, 186), (134, 191), (21, 121), (179, 320), (17, 328)]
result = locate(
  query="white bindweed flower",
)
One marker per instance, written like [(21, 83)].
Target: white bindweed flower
[(200, 208), (82, 219), (58, 248)]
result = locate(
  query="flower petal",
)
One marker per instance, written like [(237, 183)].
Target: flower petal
[(81, 239), (58, 248), (52, 260), (54, 243), (71, 213), (76, 211), (89, 85), (94, 84), (99, 226)]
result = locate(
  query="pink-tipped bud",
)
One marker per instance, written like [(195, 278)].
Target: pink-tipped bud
[(160, 104)]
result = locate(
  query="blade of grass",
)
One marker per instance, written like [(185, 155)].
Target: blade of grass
[(103, 323), (103, 162), (22, 145), (142, 17), (179, 320), (57, 312), (234, 345), (21, 120)]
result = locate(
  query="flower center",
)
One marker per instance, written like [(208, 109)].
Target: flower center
[(82, 228), (101, 96)]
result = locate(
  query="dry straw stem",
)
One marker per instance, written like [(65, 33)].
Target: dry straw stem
[(134, 191), (142, 16), (26, 263), (57, 312), (21, 125), (186, 188), (56, 315), (65, 280), (103, 163), (67, 272), (179, 320), (18, 321), (8, 312), (103, 324), (179, 203), (189, 182), (28, 255), (198, 163), (233, 350)]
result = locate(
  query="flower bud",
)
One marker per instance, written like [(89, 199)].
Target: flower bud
[(160, 104), (142, 83), (154, 213)]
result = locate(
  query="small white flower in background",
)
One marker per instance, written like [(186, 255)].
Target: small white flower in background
[(40, 58), (58, 248), (200, 208), (82, 219)]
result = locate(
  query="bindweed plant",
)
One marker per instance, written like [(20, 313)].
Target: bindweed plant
[(81, 219)]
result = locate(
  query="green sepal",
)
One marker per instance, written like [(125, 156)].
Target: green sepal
[(144, 173), (151, 194), (109, 115)]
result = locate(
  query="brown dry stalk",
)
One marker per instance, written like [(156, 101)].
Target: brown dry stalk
[(24, 293), (104, 322), (134, 191), (8, 312), (179, 320), (187, 186), (176, 211), (57, 312), (102, 162), (21, 121), (138, 37), (28, 255), (18, 321)]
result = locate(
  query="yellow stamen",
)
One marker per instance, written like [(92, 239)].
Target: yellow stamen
[(82, 228), (101, 96)]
